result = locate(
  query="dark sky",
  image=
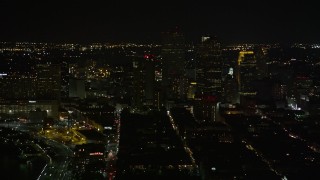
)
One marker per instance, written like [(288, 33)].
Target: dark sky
[(103, 21)]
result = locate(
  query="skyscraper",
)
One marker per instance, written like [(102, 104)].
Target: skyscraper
[(64, 79), (261, 58), (246, 74), (173, 53), (208, 79), (247, 71), (149, 79), (138, 83), (48, 84), (145, 86), (77, 88), (209, 66)]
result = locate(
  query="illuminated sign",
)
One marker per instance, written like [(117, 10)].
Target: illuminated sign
[(3, 74), (207, 98), (96, 154), (204, 38), (242, 54), (230, 71)]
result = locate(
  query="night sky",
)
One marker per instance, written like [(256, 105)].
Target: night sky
[(103, 21)]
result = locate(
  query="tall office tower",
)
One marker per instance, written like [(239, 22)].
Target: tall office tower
[(173, 53), (138, 83), (191, 62), (48, 84), (145, 82), (76, 88), (64, 79), (246, 74), (208, 79), (158, 95), (261, 58), (209, 67), (191, 71), (230, 89), (149, 79), (246, 71)]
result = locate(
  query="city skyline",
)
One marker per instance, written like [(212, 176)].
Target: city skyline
[(171, 110), (231, 21)]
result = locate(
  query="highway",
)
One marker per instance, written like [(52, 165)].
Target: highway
[(60, 166), (61, 155)]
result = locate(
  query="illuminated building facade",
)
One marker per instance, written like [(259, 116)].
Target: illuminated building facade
[(23, 108)]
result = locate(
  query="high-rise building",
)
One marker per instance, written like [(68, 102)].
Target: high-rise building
[(205, 108), (149, 79), (146, 81), (138, 83), (209, 66), (246, 74), (77, 88), (64, 79), (261, 58), (246, 71), (173, 53), (230, 93), (208, 79), (48, 84)]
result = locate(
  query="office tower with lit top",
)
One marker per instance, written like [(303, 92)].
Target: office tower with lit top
[(246, 74), (247, 71), (208, 79), (209, 66)]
